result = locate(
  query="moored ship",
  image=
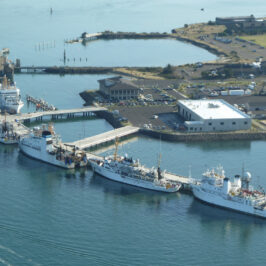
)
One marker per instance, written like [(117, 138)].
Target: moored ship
[(128, 171), (43, 144), (10, 99), (237, 195)]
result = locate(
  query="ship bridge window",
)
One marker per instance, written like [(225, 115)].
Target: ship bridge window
[(49, 142)]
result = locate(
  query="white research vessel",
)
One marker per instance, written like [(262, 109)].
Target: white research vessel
[(43, 144), (128, 171), (218, 190), (10, 99)]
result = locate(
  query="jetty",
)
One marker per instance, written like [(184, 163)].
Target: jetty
[(104, 138)]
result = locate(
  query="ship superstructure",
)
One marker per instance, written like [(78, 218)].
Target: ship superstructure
[(43, 144), (236, 194), (10, 99), (7, 133)]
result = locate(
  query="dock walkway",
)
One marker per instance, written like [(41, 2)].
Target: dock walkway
[(185, 181), (55, 113), (105, 137)]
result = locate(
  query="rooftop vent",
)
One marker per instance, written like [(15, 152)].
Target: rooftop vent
[(212, 105)]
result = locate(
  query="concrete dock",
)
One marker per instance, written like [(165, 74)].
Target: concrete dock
[(55, 114), (105, 137)]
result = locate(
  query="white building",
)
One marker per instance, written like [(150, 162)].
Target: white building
[(212, 115)]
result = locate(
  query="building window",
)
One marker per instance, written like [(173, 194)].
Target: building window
[(233, 123), (245, 122), (210, 124), (191, 128), (222, 123), (120, 91), (200, 128)]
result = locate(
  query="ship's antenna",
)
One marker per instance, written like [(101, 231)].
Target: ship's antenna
[(189, 171), (159, 160), (160, 152), (243, 169), (116, 148)]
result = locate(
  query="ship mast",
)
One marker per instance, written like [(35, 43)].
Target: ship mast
[(116, 148), (159, 161)]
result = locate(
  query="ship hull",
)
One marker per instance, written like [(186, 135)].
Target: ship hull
[(12, 109), (226, 203), (130, 181), (43, 156)]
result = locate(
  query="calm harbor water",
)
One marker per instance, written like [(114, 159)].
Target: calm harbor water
[(50, 216)]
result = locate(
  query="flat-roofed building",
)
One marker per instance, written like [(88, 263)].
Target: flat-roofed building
[(212, 115), (118, 88), (248, 24), (231, 20)]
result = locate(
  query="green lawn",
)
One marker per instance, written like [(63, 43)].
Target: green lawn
[(258, 39)]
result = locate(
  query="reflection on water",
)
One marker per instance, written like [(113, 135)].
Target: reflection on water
[(210, 146), (131, 193), (210, 214), (226, 222)]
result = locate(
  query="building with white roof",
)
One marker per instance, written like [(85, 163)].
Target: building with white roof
[(212, 115)]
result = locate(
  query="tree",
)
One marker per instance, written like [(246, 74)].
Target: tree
[(168, 69)]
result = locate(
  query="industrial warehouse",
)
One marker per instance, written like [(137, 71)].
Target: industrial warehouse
[(212, 115)]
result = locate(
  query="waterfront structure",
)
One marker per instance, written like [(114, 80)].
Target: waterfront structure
[(118, 88), (216, 189), (212, 115), (242, 23), (90, 36)]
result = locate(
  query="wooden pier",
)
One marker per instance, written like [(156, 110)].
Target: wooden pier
[(105, 137)]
